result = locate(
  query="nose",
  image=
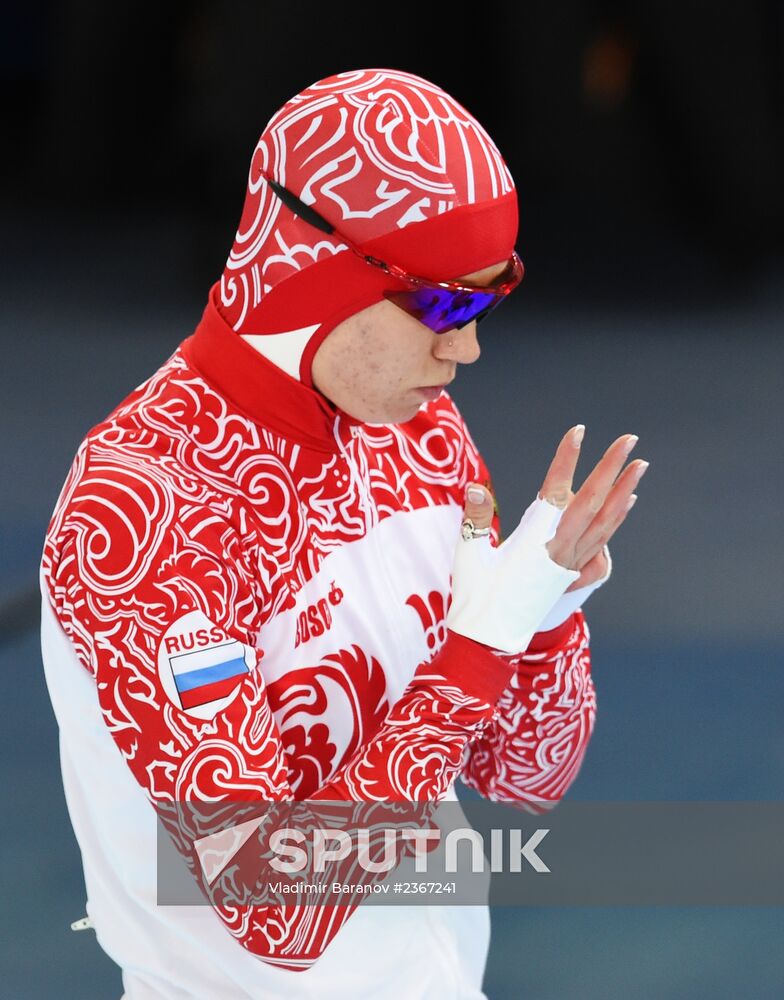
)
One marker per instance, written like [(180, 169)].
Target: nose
[(457, 345)]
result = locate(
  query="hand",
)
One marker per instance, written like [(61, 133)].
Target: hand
[(593, 514), (501, 594)]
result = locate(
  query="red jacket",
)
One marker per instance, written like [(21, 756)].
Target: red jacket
[(257, 586)]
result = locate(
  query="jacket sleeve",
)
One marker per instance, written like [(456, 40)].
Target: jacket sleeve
[(129, 578), (533, 749)]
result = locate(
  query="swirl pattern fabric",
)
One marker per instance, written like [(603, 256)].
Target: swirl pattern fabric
[(391, 160), (263, 616)]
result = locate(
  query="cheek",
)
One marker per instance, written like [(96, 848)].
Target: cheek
[(377, 363), (389, 364), (374, 359), (335, 360), (404, 354)]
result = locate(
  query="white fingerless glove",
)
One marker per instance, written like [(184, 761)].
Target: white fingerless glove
[(569, 603), (500, 595)]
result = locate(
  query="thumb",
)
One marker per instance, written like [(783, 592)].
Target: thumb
[(479, 505)]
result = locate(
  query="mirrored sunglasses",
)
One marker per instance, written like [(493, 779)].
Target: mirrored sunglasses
[(439, 305), (449, 305)]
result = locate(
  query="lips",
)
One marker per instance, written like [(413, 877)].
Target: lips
[(430, 391)]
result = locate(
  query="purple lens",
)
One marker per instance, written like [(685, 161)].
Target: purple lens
[(441, 309)]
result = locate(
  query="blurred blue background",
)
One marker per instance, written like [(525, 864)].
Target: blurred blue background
[(647, 150)]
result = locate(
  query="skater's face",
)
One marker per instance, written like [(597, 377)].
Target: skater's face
[(381, 365)]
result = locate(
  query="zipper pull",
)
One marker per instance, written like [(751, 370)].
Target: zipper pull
[(82, 925)]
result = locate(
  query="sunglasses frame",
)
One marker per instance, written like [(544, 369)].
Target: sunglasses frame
[(497, 291), (515, 268)]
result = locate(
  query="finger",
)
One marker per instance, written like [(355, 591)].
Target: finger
[(592, 570), (591, 553), (557, 485), (614, 510), (479, 505), (590, 497)]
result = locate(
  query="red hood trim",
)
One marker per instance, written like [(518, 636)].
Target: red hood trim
[(460, 241), (262, 391)]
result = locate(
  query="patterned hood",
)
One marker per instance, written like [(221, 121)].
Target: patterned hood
[(396, 164)]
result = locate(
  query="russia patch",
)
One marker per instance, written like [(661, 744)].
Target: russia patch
[(208, 674), (201, 667)]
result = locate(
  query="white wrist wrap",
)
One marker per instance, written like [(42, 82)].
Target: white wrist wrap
[(570, 602), (501, 595)]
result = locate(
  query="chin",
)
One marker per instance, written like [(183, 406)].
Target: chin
[(407, 414), (398, 415)]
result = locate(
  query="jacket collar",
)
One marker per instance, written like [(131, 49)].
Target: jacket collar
[(263, 392)]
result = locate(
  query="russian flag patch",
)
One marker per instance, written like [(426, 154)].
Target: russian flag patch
[(200, 667), (208, 674)]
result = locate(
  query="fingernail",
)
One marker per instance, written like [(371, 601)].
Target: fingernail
[(631, 501), (631, 443), (577, 433), (476, 494), (641, 468)]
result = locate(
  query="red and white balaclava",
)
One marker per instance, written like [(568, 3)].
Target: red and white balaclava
[(396, 164)]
